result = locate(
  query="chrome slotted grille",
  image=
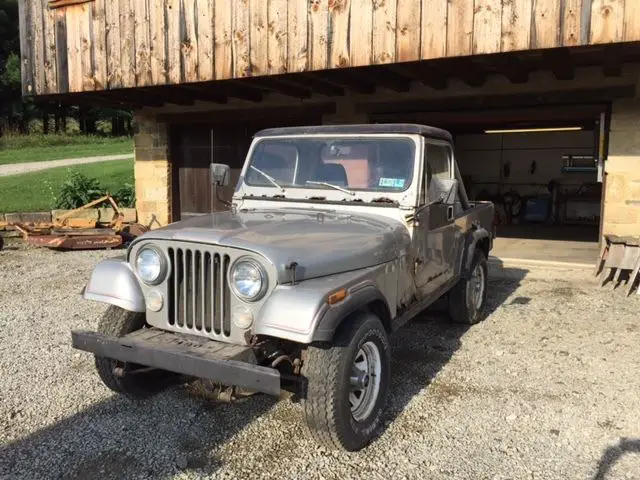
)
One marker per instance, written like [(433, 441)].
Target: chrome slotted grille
[(198, 292)]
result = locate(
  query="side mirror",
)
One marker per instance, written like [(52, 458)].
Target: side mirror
[(220, 174)]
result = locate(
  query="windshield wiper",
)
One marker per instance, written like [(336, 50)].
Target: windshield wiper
[(268, 177), (384, 200), (331, 185)]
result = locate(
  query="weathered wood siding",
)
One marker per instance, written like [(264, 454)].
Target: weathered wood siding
[(106, 44)]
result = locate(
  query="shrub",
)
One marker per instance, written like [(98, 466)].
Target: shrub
[(78, 190), (126, 196)]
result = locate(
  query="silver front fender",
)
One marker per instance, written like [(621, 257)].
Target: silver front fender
[(114, 282), (300, 312)]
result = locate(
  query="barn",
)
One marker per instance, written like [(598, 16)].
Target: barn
[(542, 97)]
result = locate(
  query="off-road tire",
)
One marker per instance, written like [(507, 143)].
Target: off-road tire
[(461, 307), (327, 370), (118, 322)]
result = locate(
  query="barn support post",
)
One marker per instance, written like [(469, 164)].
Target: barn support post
[(152, 169), (622, 169)]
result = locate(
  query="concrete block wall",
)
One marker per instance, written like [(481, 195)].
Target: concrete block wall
[(622, 169), (152, 170)]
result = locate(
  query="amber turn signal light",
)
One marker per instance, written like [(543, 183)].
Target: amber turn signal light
[(337, 297)]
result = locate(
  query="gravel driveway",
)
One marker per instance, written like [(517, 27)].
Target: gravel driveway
[(547, 387)]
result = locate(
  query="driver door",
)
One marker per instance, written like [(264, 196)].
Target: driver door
[(435, 229)]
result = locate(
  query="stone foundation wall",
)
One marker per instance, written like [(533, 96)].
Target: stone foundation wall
[(152, 170), (622, 169)]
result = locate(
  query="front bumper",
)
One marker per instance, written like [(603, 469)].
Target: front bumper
[(184, 354)]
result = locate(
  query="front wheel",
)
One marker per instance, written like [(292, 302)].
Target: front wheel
[(347, 384), (468, 298), (117, 322)]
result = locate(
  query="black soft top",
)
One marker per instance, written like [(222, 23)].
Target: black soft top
[(401, 128)]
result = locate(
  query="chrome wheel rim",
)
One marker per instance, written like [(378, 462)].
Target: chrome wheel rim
[(477, 287), (365, 377)]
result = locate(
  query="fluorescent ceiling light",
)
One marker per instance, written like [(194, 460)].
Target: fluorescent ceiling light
[(532, 130)]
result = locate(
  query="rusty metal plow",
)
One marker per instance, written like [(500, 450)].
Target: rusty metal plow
[(67, 232), (620, 260)]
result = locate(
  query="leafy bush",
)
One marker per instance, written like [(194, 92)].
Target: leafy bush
[(126, 196), (78, 190)]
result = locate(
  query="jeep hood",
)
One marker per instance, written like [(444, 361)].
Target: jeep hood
[(321, 242)]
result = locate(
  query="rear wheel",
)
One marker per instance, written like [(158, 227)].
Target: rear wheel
[(468, 298), (117, 322), (347, 384)]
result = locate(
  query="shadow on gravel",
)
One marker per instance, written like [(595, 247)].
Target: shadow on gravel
[(613, 454), (425, 345), (173, 432)]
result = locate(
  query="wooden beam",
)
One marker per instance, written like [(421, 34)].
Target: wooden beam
[(202, 93), (241, 92), (387, 78), (560, 62), (470, 72), (314, 83), (173, 94), (612, 60), (342, 78), (421, 72), (248, 114), (512, 67), (276, 86)]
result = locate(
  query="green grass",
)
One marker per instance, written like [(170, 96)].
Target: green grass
[(41, 148), (34, 192)]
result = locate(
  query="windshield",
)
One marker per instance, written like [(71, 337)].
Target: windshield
[(347, 165)]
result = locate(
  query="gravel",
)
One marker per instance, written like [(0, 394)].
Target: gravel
[(546, 387)]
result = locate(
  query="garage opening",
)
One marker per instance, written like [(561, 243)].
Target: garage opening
[(542, 169)]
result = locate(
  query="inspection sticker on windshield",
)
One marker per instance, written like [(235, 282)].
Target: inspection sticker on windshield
[(391, 182)]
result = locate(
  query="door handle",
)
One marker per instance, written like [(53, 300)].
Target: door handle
[(449, 213)]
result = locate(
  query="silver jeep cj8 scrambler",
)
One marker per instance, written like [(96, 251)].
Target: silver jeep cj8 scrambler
[(336, 237)]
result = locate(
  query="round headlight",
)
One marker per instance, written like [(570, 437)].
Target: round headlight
[(149, 265), (248, 280)]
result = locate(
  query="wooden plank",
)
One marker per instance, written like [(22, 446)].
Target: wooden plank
[(86, 48), (114, 69), (241, 39), (487, 26), (277, 37), (37, 37), (339, 13), (142, 38), (26, 55), (157, 49), (99, 39), (433, 29), (222, 30), (460, 28), (259, 34), (318, 32), (62, 65), (189, 42), (50, 71), (607, 20), (546, 24), (632, 24), (408, 30), (204, 10), (361, 32), (127, 44), (571, 18), (516, 25), (74, 60), (172, 18), (384, 31), (297, 36)]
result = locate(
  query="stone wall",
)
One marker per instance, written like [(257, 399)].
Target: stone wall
[(152, 170), (622, 169)]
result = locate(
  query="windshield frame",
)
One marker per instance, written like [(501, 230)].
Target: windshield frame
[(245, 190)]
